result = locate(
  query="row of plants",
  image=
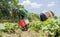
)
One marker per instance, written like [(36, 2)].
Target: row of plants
[(50, 26), (8, 27)]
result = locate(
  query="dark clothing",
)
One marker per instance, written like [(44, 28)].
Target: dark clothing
[(43, 17), (25, 28)]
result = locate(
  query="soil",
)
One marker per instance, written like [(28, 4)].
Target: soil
[(20, 33)]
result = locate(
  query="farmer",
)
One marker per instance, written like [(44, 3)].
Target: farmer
[(45, 15), (23, 19), (23, 24)]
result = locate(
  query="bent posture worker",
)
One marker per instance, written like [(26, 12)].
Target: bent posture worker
[(45, 15), (23, 21)]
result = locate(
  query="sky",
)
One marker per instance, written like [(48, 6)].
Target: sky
[(37, 6)]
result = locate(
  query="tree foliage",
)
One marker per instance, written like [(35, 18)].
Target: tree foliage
[(33, 17), (6, 6), (9, 9)]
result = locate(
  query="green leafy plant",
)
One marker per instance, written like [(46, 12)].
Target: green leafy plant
[(50, 25), (9, 27)]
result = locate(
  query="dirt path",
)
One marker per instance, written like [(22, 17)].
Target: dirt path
[(20, 33), (25, 34), (30, 34)]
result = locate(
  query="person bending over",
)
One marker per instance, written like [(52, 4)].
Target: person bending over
[(45, 15)]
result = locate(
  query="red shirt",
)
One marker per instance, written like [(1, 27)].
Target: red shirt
[(22, 23)]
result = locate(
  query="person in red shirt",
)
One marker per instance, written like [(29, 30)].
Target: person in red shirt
[(23, 24)]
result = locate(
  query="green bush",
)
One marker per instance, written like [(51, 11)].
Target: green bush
[(50, 25), (9, 27)]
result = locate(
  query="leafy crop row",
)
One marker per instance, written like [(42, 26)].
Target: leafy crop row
[(8, 27), (52, 26)]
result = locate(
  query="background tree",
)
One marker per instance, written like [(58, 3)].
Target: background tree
[(33, 17), (6, 6), (10, 9)]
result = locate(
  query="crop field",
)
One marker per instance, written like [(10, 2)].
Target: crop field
[(36, 28), (32, 13)]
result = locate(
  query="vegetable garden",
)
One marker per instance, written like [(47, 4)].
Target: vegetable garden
[(50, 26), (11, 13)]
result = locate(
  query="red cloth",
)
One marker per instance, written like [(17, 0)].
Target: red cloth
[(22, 23)]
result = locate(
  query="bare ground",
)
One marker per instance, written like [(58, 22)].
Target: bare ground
[(20, 33)]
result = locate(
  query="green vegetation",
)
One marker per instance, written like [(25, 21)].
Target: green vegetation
[(8, 27), (11, 11), (50, 26), (33, 17)]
